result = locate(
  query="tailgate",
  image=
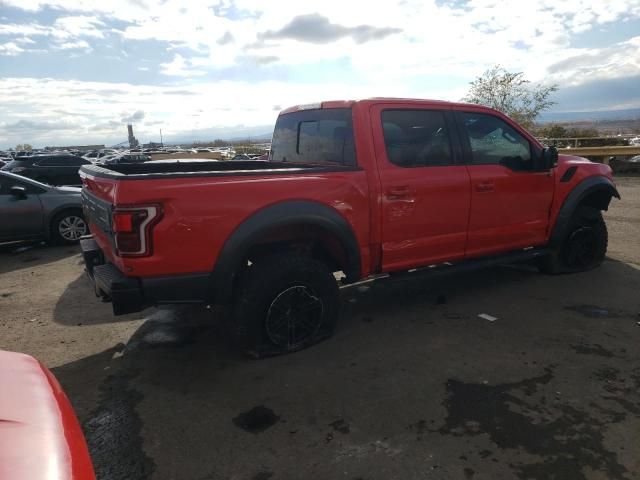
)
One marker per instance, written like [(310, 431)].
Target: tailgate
[(98, 197), (97, 212)]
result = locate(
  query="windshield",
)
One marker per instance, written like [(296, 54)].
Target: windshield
[(314, 136)]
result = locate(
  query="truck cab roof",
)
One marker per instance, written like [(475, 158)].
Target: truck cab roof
[(375, 100)]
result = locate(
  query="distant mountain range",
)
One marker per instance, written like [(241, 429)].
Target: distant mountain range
[(597, 116)]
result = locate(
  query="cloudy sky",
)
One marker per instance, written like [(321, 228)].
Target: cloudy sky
[(75, 72)]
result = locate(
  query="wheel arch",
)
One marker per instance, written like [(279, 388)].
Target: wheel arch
[(282, 226), (595, 192)]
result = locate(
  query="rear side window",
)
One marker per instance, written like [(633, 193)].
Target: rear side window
[(314, 136), (68, 161), (416, 138), (7, 182), (51, 162), (494, 142)]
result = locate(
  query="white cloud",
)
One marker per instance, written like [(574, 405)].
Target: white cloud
[(459, 39), (423, 48), (10, 49), (63, 28), (28, 29), (577, 66), (179, 67), (64, 34), (77, 26), (78, 44), (24, 41), (90, 104)]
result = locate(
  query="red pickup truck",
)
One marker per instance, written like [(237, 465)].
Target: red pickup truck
[(360, 187)]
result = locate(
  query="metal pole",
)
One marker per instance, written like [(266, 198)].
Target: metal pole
[(161, 144)]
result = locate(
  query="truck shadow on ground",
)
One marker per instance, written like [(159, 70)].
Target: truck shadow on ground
[(20, 255), (79, 304), (532, 395)]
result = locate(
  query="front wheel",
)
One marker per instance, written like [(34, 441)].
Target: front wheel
[(286, 303), (583, 248), (67, 227)]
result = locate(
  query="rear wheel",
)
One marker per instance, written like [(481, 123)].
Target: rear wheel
[(583, 248), (67, 227), (286, 302)]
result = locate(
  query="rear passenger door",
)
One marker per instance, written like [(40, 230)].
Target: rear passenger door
[(510, 199), (425, 186)]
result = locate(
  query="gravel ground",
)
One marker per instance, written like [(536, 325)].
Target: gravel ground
[(413, 385)]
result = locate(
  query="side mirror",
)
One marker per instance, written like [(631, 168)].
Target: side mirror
[(18, 192), (548, 158)]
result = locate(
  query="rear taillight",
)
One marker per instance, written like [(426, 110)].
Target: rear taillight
[(131, 227)]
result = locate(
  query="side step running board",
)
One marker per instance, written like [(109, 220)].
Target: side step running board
[(518, 256), (475, 264)]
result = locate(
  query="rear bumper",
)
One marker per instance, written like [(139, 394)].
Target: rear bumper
[(133, 294)]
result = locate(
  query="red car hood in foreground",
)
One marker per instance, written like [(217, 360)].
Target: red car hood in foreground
[(40, 437)]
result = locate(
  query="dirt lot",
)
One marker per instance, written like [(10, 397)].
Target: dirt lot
[(413, 385)]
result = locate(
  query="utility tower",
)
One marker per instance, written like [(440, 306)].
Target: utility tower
[(133, 142)]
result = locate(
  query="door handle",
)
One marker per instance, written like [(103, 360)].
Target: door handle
[(485, 187), (394, 193)]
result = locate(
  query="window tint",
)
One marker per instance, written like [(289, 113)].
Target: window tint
[(494, 142), (416, 138), (314, 136)]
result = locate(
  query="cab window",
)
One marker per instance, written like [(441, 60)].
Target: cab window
[(493, 141), (416, 138), (314, 136)]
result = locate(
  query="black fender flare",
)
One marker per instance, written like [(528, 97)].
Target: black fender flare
[(301, 212), (582, 190)]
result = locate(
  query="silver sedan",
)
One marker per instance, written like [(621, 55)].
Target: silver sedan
[(31, 210)]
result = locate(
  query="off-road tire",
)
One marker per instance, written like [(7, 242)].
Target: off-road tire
[(584, 246), (284, 303)]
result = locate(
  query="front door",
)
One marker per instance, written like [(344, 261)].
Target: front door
[(510, 201), (21, 217), (425, 187)]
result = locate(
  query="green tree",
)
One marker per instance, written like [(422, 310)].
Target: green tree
[(24, 147), (554, 131), (512, 94)]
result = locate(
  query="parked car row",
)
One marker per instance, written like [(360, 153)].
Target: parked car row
[(244, 156), (56, 169), (62, 169), (625, 165)]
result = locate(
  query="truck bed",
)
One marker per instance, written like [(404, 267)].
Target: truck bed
[(188, 168)]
